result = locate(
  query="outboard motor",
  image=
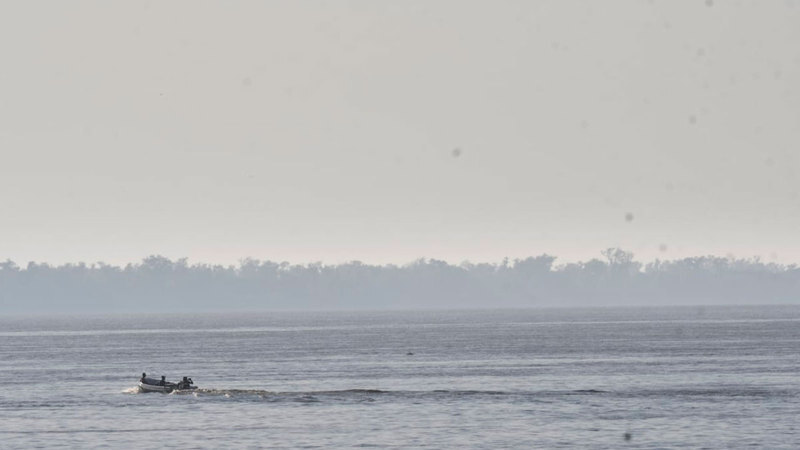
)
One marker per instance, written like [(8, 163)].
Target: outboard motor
[(186, 383)]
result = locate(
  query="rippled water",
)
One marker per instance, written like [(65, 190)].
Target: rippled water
[(668, 377)]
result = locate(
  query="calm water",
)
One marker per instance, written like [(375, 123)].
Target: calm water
[(671, 377)]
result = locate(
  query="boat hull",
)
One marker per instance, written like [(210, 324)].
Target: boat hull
[(166, 389)]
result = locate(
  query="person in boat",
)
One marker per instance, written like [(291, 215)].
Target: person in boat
[(144, 375), (163, 380)]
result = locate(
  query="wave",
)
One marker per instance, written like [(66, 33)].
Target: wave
[(361, 395), (729, 391), (366, 394)]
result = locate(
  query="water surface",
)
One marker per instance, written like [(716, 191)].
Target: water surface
[(712, 377)]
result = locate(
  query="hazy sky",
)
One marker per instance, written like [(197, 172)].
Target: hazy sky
[(390, 130)]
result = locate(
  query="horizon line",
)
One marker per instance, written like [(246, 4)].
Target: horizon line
[(556, 261)]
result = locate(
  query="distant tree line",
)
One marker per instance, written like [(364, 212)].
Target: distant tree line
[(160, 284)]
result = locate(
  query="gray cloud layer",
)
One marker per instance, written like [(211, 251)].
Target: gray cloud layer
[(308, 130)]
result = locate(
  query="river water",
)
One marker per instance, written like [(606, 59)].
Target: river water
[(695, 377)]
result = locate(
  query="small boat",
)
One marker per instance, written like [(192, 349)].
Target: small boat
[(152, 385)]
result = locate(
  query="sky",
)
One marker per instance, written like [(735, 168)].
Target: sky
[(386, 131)]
